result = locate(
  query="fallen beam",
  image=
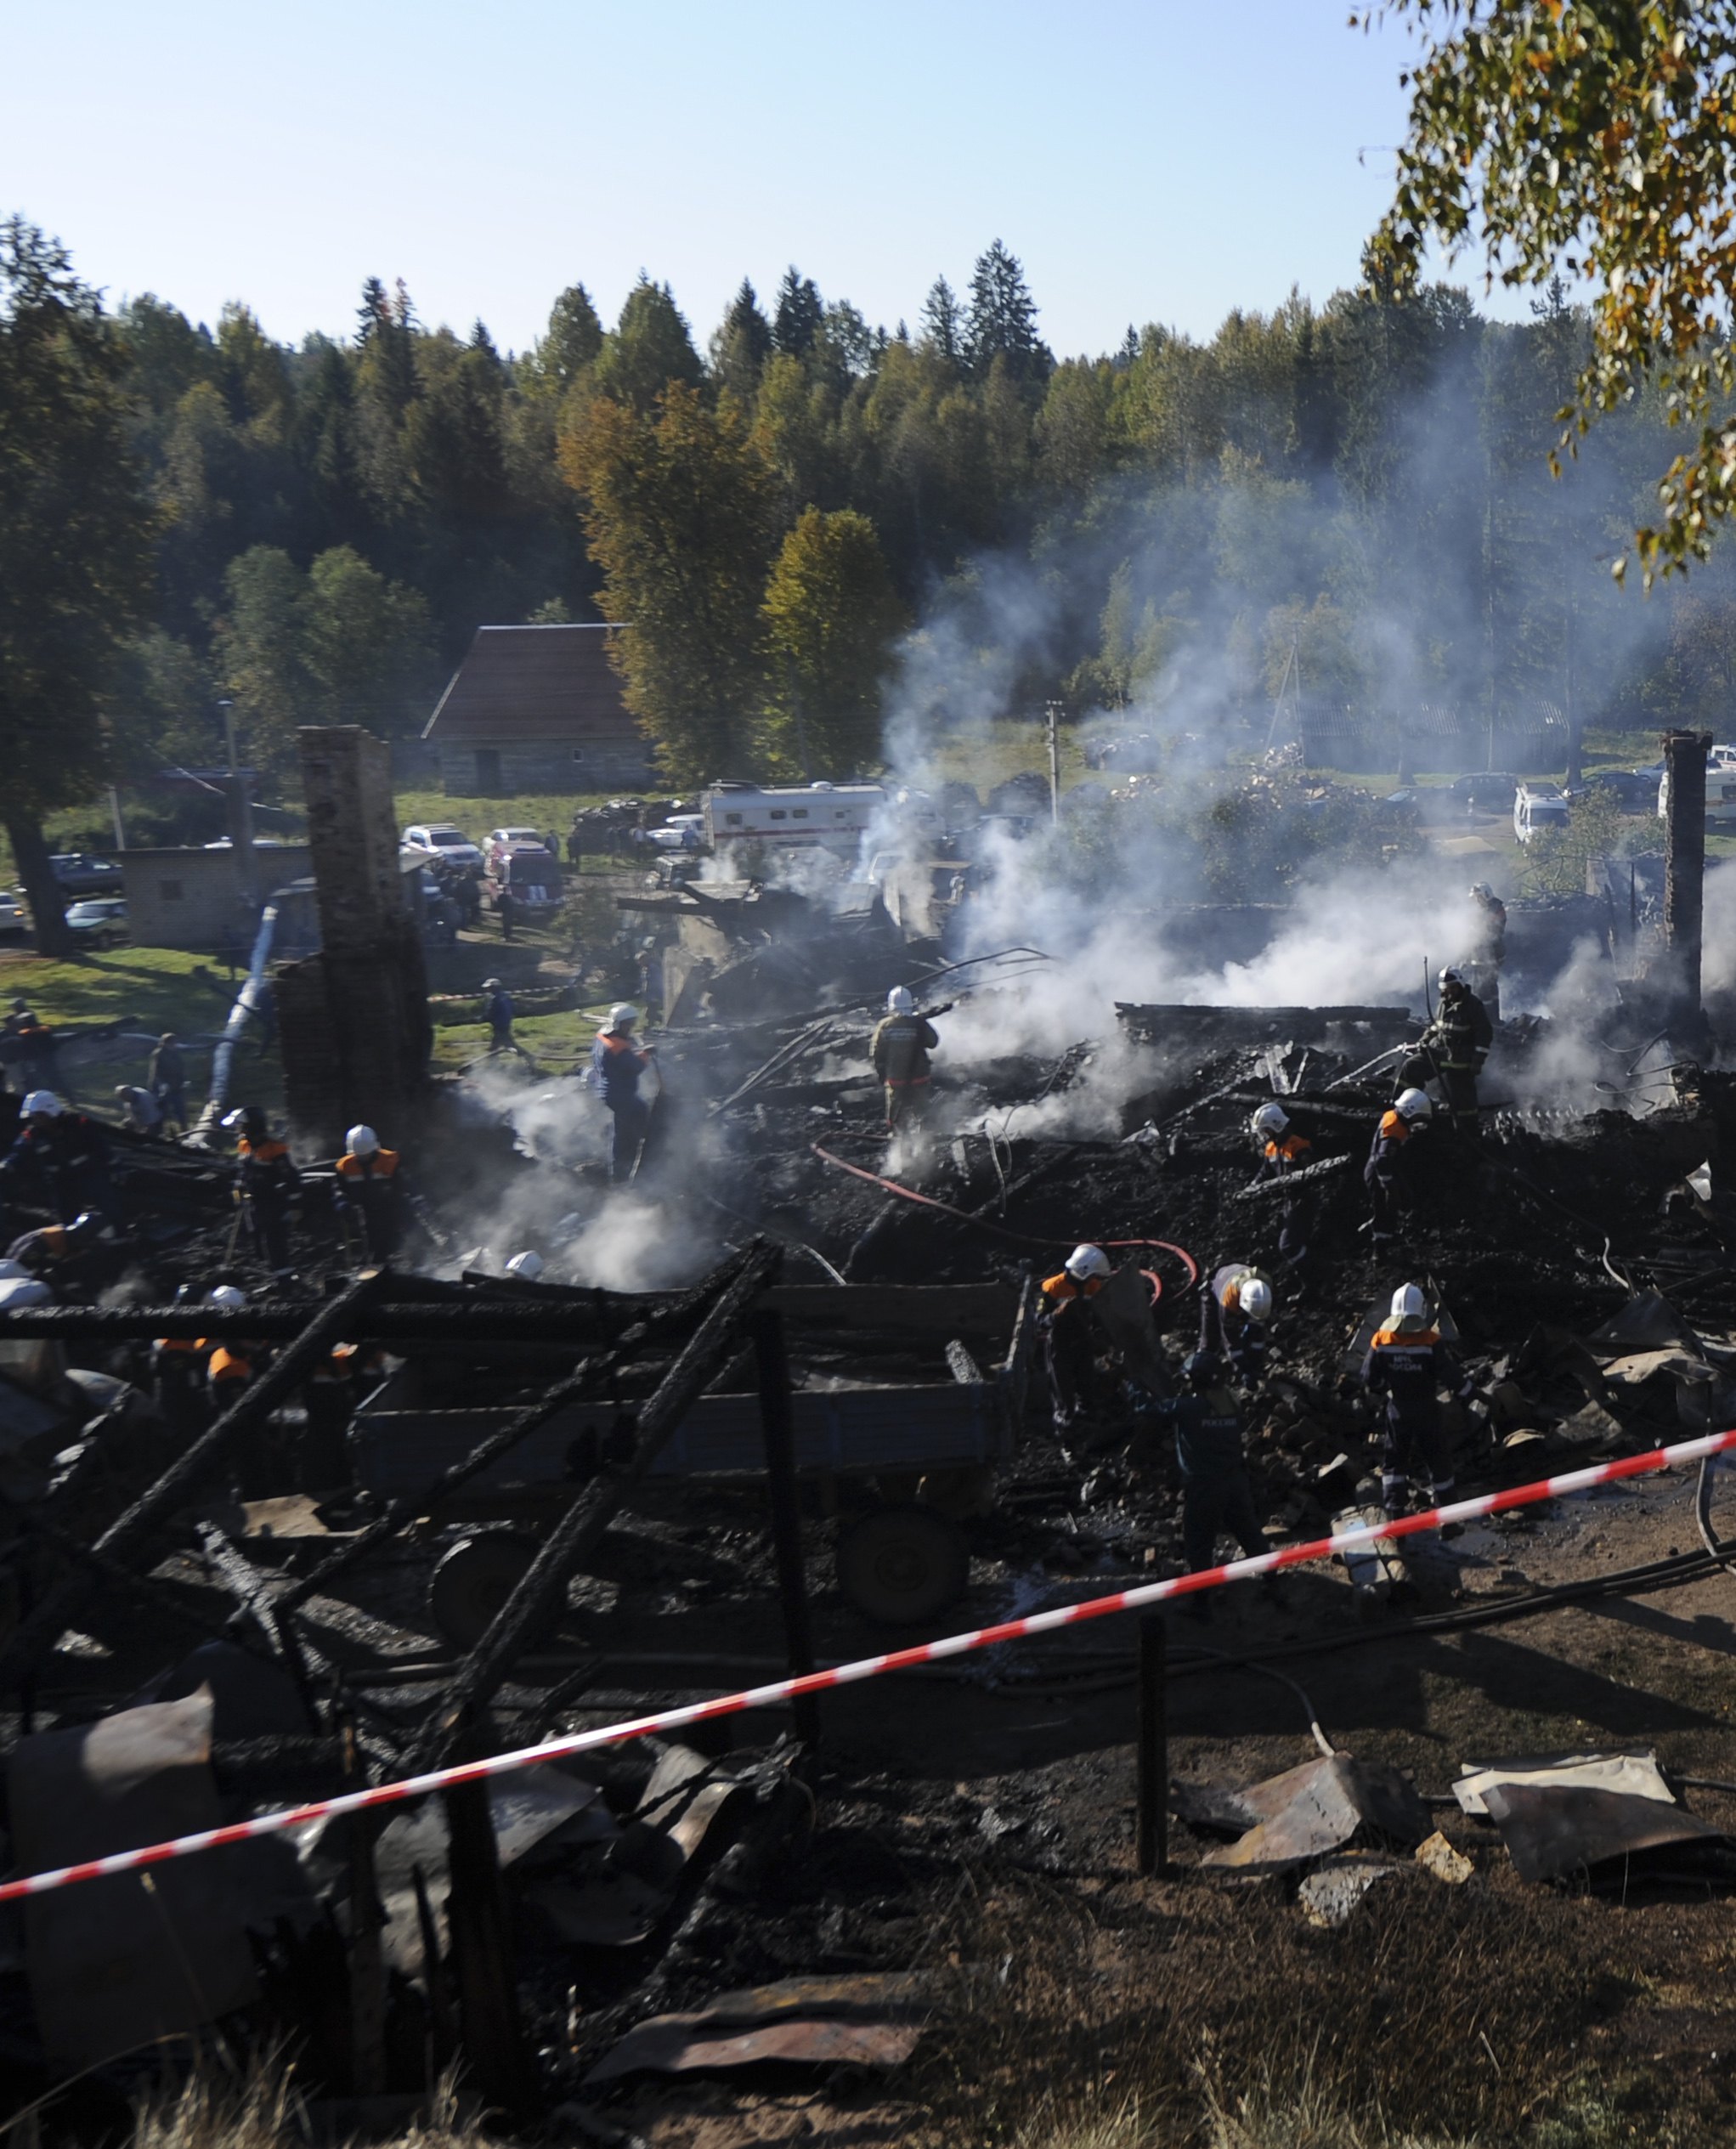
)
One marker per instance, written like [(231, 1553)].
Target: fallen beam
[(542, 1593)]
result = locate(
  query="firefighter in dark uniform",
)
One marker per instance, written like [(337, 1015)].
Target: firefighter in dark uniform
[(1284, 1152), (900, 1052), (1407, 1366), (63, 1155), (1216, 1495), (1389, 1174), (1063, 1325), (177, 1376), (1488, 953), (371, 1186), (1453, 1047), (266, 1182)]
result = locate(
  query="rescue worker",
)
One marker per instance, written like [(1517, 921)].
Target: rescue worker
[(41, 1251), (371, 1186), (140, 1112), (1067, 1346), (177, 1376), (617, 1062), (1389, 1174), (1407, 1364), (167, 1078), (1216, 1495), (1488, 947), (1284, 1152), (63, 1157), (266, 1182), (901, 1046), (1453, 1048), (498, 1012), (1234, 1309), (36, 1047), (230, 1363)]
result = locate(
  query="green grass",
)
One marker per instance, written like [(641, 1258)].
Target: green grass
[(152, 989)]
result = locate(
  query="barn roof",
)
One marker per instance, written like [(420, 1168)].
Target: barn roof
[(553, 684)]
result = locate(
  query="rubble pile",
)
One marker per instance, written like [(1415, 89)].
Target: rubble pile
[(453, 1510)]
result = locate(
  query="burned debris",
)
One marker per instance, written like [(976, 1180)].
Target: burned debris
[(565, 1432)]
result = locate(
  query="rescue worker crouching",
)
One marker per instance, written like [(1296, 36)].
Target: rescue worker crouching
[(266, 1182), (371, 1186), (1235, 1308), (43, 1251), (899, 1050), (1407, 1364), (1390, 1172), (1067, 1347), (617, 1062), (1216, 1495), (63, 1157), (1453, 1048), (1284, 1152)]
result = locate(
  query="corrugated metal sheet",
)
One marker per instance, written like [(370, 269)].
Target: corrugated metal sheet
[(534, 685)]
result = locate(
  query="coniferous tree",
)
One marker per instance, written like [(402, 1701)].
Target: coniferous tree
[(741, 344), (943, 323), (1003, 322), (570, 347), (801, 314)]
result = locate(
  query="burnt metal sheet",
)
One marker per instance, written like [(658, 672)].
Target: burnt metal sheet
[(124, 1961), (812, 2021), (1308, 1812), (1549, 1831), (844, 1431), (1647, 1322), (1635, 1775)]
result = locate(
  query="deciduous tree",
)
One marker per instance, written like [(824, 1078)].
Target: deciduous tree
[(679, 514), (831, 618), (75, 547)]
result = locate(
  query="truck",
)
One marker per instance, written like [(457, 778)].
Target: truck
[(834, 816)]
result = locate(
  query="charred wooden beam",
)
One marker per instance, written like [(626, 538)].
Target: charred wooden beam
[(541, 1595)]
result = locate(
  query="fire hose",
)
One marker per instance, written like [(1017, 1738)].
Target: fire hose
[(1020, 1238)]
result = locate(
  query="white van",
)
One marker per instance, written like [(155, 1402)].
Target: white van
[(1537, 807)]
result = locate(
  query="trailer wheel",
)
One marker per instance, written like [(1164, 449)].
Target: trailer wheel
[(902, 1565), (473, 1580)]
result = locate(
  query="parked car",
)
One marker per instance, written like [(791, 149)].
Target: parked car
[(531, 875), (12, 919), (79, 873), (499, 840), (680, 832), (443, 841), (100, 919), (1485, 790), (1634, 789)]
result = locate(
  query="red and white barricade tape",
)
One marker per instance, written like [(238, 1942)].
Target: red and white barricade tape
[(871, 1667)]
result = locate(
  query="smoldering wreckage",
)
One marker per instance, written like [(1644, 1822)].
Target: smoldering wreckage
[(297, 1502)]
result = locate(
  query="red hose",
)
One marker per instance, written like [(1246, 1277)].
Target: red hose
[(1020, 1238)]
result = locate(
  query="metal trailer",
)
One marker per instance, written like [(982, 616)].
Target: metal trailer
[(900, 1465)]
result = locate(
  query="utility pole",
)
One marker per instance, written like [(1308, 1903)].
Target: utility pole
[(1051, 711), (240, 813), (120, 825)]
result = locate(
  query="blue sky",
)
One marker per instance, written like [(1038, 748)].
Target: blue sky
[(1157, 161)]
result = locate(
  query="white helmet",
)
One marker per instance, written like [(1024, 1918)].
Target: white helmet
[(901, 1001), (1409, 1302), (1413, 1104), (526, 1266), (227, 1298), (1271, 1120), (1086, 1261), (1451, 977), (491, 985), (361, 1142), (621, 1016), (45, 1102), (1254, 1297), (1481, 889), (17, 1293)]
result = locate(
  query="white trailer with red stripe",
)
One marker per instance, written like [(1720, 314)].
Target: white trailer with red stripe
[(834, 816)]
